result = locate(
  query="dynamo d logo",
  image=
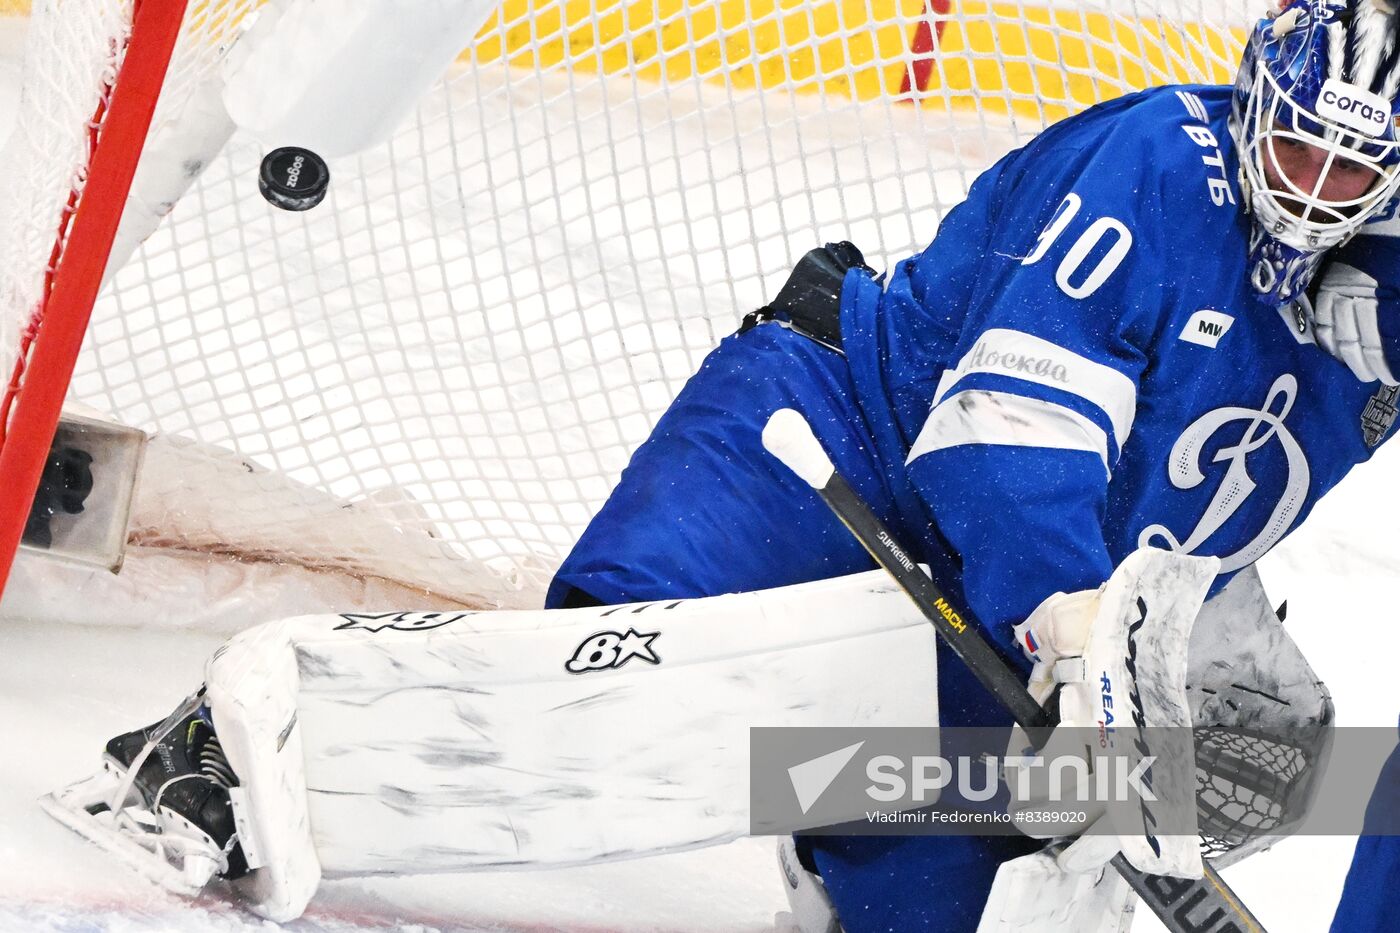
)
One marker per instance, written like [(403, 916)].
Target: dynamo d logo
[(1243, 432)]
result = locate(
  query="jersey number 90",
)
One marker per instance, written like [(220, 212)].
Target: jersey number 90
[(1105, 229)]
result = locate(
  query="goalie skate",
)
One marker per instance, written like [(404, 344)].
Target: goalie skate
[(160, 805)]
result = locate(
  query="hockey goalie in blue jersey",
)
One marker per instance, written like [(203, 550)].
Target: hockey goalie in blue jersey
[(1164, 323), (1170, 322)]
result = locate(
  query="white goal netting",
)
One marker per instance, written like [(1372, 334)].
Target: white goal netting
[(435, 376)]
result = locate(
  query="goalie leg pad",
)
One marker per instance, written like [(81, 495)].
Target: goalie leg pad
[(252, 686), (444, 741)]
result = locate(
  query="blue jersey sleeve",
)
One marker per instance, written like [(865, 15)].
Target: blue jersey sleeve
[(1038, 391)]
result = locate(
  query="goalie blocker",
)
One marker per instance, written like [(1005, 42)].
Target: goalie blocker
[(1262, 721)]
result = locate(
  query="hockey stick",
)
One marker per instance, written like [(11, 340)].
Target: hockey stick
[(1184, 905)]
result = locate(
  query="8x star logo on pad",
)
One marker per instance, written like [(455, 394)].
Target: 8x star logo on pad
[(607, 650)]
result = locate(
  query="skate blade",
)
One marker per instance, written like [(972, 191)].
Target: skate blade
[(175, 860)]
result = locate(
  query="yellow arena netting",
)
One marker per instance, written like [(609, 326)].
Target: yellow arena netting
[(1035, 60)]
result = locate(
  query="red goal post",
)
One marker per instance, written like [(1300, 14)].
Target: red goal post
[(53, 333)]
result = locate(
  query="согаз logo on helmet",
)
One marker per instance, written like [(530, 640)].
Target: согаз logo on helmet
[(1353, 107)]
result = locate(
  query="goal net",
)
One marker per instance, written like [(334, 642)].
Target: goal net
[(435, 376)]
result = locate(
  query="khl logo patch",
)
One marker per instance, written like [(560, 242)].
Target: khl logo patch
[(607, 650), (1379, 415)]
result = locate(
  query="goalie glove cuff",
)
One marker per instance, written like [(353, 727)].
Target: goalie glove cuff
[(1054, 637)]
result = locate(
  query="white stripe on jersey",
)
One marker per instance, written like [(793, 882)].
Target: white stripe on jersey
[(978, 416), (1014, 353), (1194, 106)]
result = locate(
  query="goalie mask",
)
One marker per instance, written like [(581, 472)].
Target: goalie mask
[(1314, 118)]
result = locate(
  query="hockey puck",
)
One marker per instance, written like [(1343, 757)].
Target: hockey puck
[(293, 178)]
